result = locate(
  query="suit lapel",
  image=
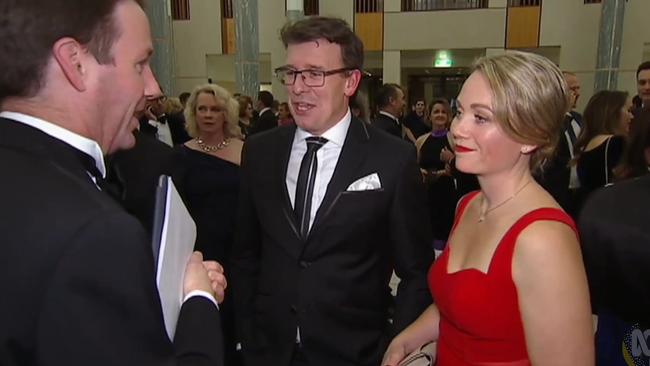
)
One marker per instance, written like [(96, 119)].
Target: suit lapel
[(353, 154), (285, 144)]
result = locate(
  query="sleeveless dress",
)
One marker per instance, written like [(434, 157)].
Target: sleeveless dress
[(480, 322)]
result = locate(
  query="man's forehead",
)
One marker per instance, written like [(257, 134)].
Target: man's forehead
[(644, 74)]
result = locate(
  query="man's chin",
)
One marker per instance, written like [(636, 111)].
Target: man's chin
[(125, 142)]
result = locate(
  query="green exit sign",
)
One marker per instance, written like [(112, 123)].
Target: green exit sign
[(442, 59)]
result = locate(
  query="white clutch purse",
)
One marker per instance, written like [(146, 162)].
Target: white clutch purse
[(424, 355)]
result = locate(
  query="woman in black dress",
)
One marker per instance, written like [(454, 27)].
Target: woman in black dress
[(207, 177), (601, 141), (435, 155)]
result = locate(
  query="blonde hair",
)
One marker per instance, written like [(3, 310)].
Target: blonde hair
[(172, 105), (530, 99), (231, 127)]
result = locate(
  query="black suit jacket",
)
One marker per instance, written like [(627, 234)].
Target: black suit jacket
[(615, 238), (265, 122), (388, 124), (76, 271), (135, 173), (176, 123), (334, 286)]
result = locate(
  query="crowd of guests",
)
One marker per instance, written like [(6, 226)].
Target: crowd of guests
[(305, 209)]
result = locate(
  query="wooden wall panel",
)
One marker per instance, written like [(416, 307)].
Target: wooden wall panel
[(228, 34), (523, 27), (370, 28)]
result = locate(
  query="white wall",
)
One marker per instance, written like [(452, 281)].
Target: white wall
[(193, 39)]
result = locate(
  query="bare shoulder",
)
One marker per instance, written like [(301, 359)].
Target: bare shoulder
[(546, 238), (543, 245)]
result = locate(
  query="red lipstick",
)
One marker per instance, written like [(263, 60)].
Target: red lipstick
[(462, 149)]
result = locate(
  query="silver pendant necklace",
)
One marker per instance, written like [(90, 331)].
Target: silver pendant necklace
[(482, 215)]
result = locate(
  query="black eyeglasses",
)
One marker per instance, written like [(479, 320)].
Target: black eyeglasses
[(312, 78)]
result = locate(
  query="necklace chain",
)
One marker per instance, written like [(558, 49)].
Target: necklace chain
[(482, 216), (212, 148)]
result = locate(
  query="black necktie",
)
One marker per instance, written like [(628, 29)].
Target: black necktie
[(108, 185), (305, 184)]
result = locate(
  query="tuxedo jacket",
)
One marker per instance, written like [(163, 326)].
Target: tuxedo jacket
[(135, 173), (176, 123), (266, 121), (615, 238), (76, 271), (383, 122), (334, 285)]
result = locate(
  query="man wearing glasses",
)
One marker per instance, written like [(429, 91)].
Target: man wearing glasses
[(328, 209)]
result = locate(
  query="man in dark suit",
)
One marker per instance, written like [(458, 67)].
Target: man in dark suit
[(559, 177), (133, 174), (327, 210), (267, 119), (615, 238), (76, 271), (390, 101), (168, 128)]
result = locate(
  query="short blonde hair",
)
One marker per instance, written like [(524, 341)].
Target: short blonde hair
[(231, 127), (172, 105), (530, 99)]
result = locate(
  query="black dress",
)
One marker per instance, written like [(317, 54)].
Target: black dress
[(209, 187), (441, 191), (595, 167)]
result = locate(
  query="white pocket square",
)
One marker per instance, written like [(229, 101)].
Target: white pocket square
[(367, 183)]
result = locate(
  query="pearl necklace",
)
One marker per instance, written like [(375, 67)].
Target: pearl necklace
[(211, 148), (482, 216)]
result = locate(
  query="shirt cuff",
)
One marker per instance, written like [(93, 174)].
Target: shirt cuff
[(202, 294)]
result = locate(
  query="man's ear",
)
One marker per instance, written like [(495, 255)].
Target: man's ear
[(70, 56), (352, 82)]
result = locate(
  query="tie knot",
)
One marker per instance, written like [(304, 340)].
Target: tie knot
[(315, 143)]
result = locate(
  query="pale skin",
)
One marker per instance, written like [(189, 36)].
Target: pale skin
[(547, 267), (211, 117)]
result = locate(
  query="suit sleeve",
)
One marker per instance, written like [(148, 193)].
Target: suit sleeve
[(245, 255), (411, 238), (102, 307)]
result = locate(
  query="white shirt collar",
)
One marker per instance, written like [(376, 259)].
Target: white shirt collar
[(390, 116), (77, 141), (335, 134), (264, 110)]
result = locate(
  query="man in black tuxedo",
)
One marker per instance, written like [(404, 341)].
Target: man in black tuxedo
[(134, 173), (390, 101), (327, 210), (559, 177), (168, 128), (76, 271), (267, 119)]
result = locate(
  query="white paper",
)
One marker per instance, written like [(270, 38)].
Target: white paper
[(176, 247)]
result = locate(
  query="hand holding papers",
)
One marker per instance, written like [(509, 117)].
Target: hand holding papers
[(173, 242)]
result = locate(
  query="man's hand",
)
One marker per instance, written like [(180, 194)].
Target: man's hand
[(217, 278), (204, 276)]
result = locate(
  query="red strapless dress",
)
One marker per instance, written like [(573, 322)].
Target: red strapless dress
[(480, 323)]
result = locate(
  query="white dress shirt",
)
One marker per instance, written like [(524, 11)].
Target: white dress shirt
[(327, 157), (77, 141), (574, 182), (390, 116), (163, 132)]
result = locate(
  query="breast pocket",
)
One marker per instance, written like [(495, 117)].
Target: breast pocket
[(359, 205)]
